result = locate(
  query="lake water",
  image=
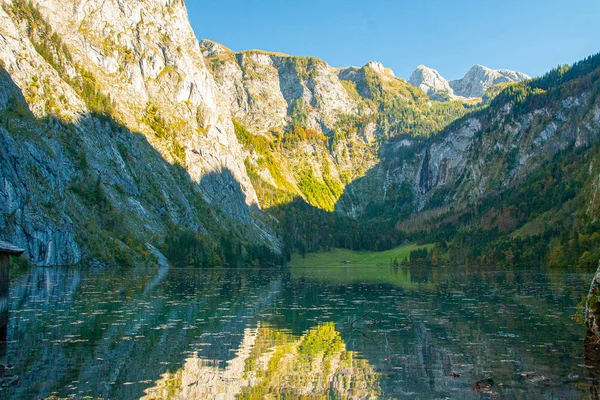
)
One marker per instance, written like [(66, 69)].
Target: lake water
[(420, 333)]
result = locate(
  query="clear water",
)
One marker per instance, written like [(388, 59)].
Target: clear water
[(425, 333)]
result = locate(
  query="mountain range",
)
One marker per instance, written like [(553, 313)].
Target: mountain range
[(124, 139), (473, 85)]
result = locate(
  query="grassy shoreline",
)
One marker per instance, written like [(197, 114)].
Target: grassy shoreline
[(335, 257)]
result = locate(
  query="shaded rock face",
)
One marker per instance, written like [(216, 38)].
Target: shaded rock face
[(115, 93), (473, 85)]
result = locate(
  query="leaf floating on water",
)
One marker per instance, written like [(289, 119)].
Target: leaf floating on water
[(484, 384), (528, 374)]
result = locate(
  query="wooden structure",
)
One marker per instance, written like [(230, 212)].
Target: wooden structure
[(7, 250)]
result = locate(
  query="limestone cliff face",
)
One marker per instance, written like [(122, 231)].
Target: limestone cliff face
[(146, 57), (112, 94), (349, 113), (264, 90)]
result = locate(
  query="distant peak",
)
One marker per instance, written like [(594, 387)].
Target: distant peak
[(479, 67), (473, 85), (424, 67)]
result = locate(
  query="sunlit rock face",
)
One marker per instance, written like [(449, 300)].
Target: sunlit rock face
[(114, 92), (473, 85), (479, 79), (276, 363), (432, 83), (263, 90)]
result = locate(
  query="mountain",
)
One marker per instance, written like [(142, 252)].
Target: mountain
[(125, 139), (479, 79), (112, 135), (432, 83), (473, 85), (309, 128)]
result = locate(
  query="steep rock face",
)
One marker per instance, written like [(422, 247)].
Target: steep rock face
[(319, 127), (299, 105), (146, 56), (105, 99), (263, 89), (473, 85)]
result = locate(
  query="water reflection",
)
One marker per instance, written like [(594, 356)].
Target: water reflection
[(331, 332), (274, 362)]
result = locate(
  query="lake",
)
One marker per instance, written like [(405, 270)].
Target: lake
[(335, 332)]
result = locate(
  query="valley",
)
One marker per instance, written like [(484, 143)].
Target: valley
[(199, 222)]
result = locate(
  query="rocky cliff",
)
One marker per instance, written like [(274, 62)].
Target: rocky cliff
[(107, 107), (432, 83), (479, 79)]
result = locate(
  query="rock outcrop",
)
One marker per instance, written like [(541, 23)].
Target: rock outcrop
[(481, 154)]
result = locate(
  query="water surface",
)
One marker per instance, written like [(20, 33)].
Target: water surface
[(420, 333)]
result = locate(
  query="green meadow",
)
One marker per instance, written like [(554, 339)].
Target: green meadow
[(360, 266), (335, 257)]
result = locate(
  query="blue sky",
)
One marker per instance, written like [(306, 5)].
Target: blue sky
[(531, 36)]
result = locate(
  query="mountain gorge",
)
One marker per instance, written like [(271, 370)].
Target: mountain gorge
[(123, 137)]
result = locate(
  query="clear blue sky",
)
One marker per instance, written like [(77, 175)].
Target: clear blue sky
[(531, 36)]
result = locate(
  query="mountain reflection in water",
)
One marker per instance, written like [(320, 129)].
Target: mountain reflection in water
[(235, 333)]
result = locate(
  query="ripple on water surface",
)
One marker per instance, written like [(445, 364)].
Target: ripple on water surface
[(185, 333)]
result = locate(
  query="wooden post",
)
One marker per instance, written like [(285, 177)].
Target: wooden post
[(6, 251)]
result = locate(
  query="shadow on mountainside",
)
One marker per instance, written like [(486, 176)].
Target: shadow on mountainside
[(487, 175), (91, 187)]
